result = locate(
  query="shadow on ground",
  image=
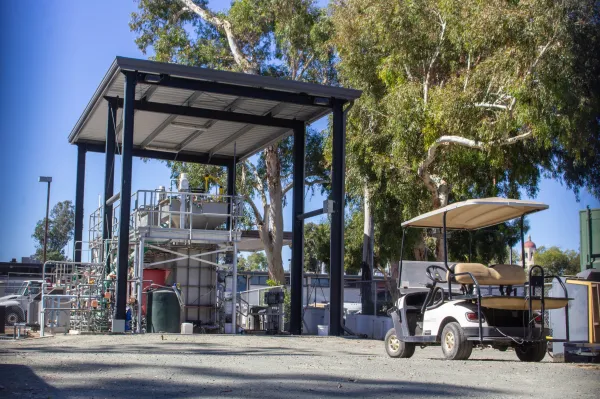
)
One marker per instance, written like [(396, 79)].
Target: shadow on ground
[(22, 381)]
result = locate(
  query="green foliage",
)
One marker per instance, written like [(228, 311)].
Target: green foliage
[(257, 261), (61, 224), (487, 246), (281, 38), (316, 246), (490, 53), (557, 262), (481, 71)]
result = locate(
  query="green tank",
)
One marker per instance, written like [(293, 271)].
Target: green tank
[(163, 312)]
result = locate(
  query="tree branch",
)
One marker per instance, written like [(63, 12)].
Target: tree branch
[(257, 215), (492, 105), (223, 24), (305, 65), (422, 170), (535, 62), (434, 58), (307, 183)]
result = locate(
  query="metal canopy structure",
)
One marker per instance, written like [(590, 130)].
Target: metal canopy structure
[(202, 112), (174, 112), (476, 213)]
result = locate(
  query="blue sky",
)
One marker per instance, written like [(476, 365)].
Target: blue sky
[(54, 54)]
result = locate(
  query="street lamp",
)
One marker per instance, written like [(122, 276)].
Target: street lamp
[(46, 179)]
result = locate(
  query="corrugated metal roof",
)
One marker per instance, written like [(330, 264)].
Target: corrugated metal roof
[(174, 133)]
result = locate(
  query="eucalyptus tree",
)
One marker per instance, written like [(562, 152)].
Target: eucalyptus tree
[(281, 38), (469, 99)]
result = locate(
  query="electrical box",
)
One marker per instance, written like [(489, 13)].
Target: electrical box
[(328, 207), (589, 225)]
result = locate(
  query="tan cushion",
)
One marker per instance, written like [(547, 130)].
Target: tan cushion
[(509, 274), (496, 275), (520, 303)]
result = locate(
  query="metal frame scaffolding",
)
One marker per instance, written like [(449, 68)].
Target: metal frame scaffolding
[(279, 95)]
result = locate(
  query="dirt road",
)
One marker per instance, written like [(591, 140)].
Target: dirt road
[(174, 366)]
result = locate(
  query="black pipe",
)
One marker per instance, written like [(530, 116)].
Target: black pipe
[(297, 265), (401, 260), (79, 197), (337, 220), (125, 207)]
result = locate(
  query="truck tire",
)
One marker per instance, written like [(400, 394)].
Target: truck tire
[(396, 348), (454, 342), (533, 352), (13, 315)]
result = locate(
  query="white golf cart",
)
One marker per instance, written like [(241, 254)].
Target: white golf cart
[(470, 304)]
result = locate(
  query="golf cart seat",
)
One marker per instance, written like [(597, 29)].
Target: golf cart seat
[(521, 303), (503, 275), (493, 275)]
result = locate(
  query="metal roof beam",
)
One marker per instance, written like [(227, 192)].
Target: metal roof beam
[(209, 114), (168, 121), (183, 156), (147, 95), (194, 135), (280, 134), (235, 90), (271, 112), (231, 138)]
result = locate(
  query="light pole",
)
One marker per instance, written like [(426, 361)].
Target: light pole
[(46, 179)]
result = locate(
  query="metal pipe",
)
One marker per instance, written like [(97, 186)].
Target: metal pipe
[(401, 259), (591, 256), (522, 241), (47, 215), (234, 289), (297, 263)]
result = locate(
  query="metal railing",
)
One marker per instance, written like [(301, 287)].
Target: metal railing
[(174, 210)]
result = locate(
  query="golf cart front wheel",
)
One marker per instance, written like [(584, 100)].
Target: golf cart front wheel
[(454, 342), (396, 348), (533, 352)]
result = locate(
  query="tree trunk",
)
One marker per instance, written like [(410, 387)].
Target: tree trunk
[(275, 222), (366, 291)]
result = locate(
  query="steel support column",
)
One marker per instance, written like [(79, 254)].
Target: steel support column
[(230, 190), (297, 266), (125, 207), (79, 188), (336, 301), (109, 174)]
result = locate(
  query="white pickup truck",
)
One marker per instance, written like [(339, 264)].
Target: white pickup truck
[(17, 304)]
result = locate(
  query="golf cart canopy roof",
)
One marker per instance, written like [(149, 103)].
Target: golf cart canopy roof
[(475, 214)]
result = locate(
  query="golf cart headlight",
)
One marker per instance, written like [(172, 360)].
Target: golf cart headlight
[(472, 316)]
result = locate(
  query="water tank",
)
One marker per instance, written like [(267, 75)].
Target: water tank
[(163, 312)]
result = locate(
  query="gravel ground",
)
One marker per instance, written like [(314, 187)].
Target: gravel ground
[(174, 366)]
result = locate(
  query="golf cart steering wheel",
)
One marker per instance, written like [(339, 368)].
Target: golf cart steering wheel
[(435, 276)]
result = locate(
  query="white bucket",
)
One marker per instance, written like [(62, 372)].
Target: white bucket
[(228, 328), (187, 328), (322, 330)]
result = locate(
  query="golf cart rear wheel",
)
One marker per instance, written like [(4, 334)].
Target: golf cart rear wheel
[(534, 352), (396, 348), (454, 342), (13, 315)]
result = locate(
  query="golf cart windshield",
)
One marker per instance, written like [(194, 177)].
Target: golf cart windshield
[(476, 214)]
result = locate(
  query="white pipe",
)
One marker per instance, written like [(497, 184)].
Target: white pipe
[(234, 289), (140, 285)]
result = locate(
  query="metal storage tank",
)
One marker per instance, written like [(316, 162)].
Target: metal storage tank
[(163, 311)]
